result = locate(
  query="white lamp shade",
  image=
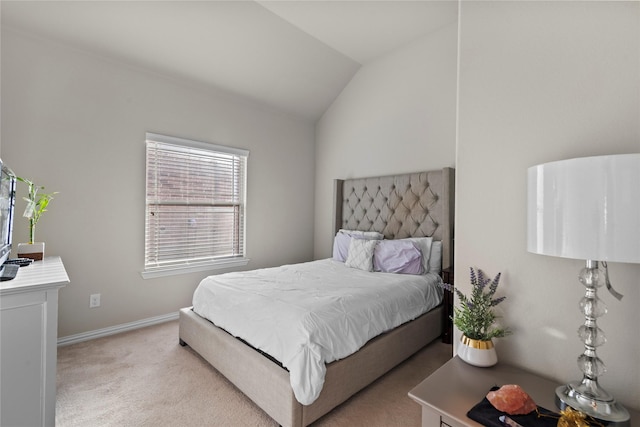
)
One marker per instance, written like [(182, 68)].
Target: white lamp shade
[(586, 208)]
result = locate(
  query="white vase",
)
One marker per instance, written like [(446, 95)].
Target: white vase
[(477, 353), (34, 250)]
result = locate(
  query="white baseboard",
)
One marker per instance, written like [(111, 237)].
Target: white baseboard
[(99, 333)]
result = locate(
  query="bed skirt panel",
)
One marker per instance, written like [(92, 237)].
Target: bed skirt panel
[(260, 379), (347, 376), (267, 384)]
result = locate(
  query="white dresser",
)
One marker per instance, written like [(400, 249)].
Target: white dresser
[(28, 344)]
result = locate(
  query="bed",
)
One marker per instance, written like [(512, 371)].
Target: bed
[(397, 207)]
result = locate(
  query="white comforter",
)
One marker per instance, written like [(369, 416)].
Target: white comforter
[(309, 314)]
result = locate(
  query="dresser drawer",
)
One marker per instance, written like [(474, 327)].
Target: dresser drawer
[(432, 418), (447, 422)]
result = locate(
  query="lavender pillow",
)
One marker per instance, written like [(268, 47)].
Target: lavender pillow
[(341, 246), (343, 238), (424, 244), (397, 256)]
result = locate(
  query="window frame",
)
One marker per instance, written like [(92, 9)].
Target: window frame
[(190, 266)]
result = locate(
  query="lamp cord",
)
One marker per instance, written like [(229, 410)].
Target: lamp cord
[(613, 292)]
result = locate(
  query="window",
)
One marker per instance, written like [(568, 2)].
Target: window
[(195, 206)]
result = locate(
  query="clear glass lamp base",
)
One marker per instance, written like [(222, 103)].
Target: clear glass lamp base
[(588, 397)]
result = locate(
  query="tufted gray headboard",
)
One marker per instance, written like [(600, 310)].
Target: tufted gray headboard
[(398, 206)]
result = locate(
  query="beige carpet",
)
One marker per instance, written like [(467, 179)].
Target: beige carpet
[(145, 378)]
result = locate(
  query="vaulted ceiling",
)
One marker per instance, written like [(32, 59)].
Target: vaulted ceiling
[(295, 56)]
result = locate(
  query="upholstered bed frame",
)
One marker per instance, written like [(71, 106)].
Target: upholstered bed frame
[(408, 205)]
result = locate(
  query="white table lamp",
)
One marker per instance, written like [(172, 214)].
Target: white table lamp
[(587, 208)]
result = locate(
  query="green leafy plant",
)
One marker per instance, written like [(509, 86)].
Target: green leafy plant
[(37, 203), (475, 317)]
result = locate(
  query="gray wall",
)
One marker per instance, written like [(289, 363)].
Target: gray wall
[(397, 115), (545, 81), (537, 82), (76, 123)]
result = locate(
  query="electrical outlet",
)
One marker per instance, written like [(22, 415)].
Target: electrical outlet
[(94, 300)]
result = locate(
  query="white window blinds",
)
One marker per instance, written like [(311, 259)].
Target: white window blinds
[(195, 203)]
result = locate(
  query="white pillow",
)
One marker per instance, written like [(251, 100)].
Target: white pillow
[(435, 260), (365, 234), (361, 254), (424, 244)]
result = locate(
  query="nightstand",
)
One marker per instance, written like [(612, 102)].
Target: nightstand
[(447, 313), (450, 392)]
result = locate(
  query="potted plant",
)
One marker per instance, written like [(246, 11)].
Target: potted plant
[(476, 318), (37, 203)]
